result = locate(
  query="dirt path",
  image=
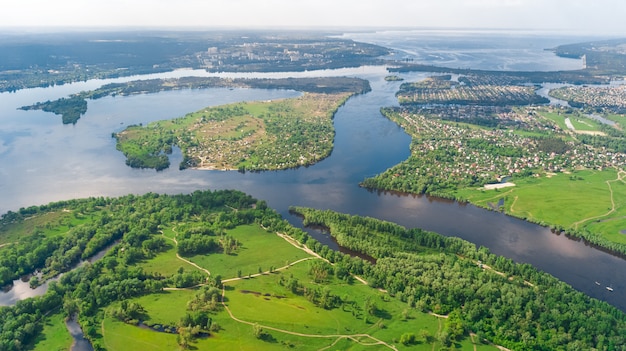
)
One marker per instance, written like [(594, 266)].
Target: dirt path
[(620, 178), (473, 341), (354, 337), (303, 247), (184, 259), (7, 244), (268, 272), (511, 209)]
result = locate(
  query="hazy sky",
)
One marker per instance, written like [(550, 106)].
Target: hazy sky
[(583, 16)]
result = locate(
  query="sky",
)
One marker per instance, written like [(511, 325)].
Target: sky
[(580, 16)]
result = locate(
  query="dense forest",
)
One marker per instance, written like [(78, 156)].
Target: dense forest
[(133, 223), (510, 304), (514, 305), (70, 109)]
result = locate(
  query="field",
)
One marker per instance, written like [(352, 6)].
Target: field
[(252, 255), (579, 123), (592, 200), (50, 224), (289, 320), (55, 336)]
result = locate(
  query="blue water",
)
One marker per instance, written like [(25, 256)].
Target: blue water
[(44, 160)]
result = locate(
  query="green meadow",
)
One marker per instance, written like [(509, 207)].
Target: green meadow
[(50, 224), (289, 320), (586, 199), (55, 336), (258, 250)]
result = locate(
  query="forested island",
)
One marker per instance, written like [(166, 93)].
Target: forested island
[(70, 109), (75, 105), (219, 269)]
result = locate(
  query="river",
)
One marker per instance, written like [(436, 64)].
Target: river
[(47, 161)]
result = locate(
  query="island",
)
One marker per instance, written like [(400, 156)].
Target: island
[(221, 270), (250, 136)]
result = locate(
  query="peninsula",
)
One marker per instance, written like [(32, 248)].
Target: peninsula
[(491, 144), (254, 136)]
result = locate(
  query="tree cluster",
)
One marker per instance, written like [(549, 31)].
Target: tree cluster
[(510, 304)]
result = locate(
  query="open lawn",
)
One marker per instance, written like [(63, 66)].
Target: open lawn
[(55, 336), (259, 249), (555, 116), (122, 337), (49, 223), (165, 262), (167, 307), (289, 320), (595, 200), (581, 123)]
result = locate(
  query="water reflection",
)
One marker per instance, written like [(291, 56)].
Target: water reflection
[(50, 162), (20, 290)]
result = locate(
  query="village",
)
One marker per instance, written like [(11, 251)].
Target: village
[(609, 97), (441, 90), (471, 156)]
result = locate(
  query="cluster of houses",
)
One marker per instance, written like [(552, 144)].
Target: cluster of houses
[(476, 155), (613, 97)]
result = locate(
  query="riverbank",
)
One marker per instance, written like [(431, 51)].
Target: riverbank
[(460, 149)]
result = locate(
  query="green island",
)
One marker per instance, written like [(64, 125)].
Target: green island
[(264, 135), (217, 270), (393, 78), (70, 109), (75, 105), (526, 161)]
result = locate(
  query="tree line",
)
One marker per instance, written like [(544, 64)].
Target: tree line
[(510, 304)]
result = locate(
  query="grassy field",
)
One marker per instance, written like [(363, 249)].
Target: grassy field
[(297, 322), (595, 200), (165, 263), (51, 224), (166, 308), (262, 300), (122, 337), (55, 336), (555, 116), (259, 249), (579, 121)]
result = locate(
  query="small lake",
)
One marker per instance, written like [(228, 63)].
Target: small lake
[(47, 161)]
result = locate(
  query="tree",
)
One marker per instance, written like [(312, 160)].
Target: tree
[(258, 331), (407, 339)]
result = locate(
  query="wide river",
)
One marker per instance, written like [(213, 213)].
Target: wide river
[(43, 160)]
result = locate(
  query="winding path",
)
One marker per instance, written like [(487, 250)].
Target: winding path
[(620, 178), (184, 259), (354, 337)]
